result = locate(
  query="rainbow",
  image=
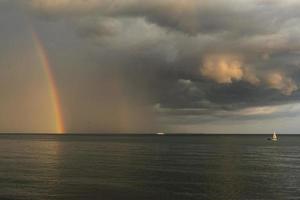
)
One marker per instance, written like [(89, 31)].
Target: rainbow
[(55, 101)]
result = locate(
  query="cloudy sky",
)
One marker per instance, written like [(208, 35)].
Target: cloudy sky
[(196, 66)]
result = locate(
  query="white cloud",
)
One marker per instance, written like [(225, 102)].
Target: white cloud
[(185, 81), (264, 110)]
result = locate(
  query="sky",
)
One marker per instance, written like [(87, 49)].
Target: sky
[(143, 66)]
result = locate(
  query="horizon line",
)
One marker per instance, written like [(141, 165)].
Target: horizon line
[(135, 134)]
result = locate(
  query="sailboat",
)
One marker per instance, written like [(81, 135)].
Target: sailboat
[(274, 137)]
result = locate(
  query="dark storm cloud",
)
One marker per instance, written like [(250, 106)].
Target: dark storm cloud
[(191, 57)]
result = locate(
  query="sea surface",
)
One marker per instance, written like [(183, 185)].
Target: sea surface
[(149, 167)]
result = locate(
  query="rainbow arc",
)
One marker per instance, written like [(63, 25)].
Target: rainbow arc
[(54, 95)]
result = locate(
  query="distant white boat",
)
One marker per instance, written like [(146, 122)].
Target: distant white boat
[(274, 137), (160, 133)]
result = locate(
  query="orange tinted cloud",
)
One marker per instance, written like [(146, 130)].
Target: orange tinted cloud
[(225, 68), (279, 81)]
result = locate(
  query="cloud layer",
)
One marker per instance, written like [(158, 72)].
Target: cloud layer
[(185, 57)]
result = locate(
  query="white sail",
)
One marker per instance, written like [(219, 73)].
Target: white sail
[(274, 136)]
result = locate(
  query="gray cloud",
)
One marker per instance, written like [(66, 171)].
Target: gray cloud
[(186, 57)]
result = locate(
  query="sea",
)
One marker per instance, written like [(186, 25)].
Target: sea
[(137, 167)]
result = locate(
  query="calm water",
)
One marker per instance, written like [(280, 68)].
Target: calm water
[(149, 167)]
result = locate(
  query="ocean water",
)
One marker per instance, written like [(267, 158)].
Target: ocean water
[(149, 167)]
